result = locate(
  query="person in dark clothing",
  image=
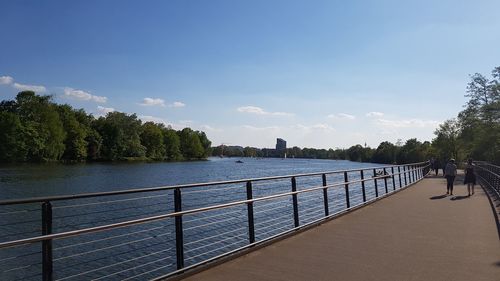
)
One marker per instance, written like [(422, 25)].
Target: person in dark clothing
[(470, 177), (436, 166), (450, 172)]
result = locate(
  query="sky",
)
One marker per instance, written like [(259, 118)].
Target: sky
[(322, 74)]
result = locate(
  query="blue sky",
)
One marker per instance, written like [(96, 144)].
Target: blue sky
[(321, 74)]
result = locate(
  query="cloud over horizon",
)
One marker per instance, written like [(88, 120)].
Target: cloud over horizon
[(407, 123), (259, 111), (177, 104), (83, 95), (374, 114), (341, 116), (102, 111), (6, 80), (152, 102)]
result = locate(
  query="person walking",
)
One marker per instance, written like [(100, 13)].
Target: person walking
[(436, 166), (450, 172), (470, 177)]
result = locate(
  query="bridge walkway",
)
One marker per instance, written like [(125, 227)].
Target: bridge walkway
[(416, 234)]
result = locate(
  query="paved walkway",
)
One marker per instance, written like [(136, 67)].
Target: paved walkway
[(416, 234)]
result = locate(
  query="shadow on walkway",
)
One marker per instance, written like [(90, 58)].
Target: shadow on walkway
[(459, 197), (438, 197)]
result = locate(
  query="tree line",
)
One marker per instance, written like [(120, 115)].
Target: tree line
[(388, 153), (35, 129), (475, 133)]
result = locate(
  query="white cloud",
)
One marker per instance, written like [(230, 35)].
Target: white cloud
[(149, 118), (342, 116), (6, 80), (177, 104), (407, 123), (322, 127), (210, 128), (152, 102), (34, 88), (82, 95), (102, 111), (259, 111), (254, 128), (374, 114)]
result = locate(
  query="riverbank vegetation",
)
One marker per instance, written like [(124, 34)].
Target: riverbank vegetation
[(474, 133), (35, 129)]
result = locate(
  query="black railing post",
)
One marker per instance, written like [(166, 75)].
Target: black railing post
[(404, 174), (47, 268), (385, 181), (251, 225), (363, 185), (393, 182), (347, 201), (325, 195), (375, 181), (179, 236), (399, 174), (295, 203)]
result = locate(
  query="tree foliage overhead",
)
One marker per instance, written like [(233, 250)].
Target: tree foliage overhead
[(34, 128), (478, 125)]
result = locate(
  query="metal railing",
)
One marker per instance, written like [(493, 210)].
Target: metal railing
[(154, 233), (489, 175)]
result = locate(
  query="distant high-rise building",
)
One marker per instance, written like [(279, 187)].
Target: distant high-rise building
[(280, 144)]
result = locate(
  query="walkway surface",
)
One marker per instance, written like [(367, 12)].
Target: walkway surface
[(416, 234)]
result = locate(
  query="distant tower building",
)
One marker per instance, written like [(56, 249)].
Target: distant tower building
[(280, 144)]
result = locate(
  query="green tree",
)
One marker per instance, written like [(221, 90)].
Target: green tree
[(446, 140), (120, 134), (13, 147), (385, 153), (152, 139), (76, 134), (172, 145), (45, 134), (412, 151), (205, 143), (191, 146)]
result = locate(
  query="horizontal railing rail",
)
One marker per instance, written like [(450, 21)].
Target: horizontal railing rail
[(315, 201)]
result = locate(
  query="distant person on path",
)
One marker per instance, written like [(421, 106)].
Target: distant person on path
[(470, 177), (450, 172), (435, 166)]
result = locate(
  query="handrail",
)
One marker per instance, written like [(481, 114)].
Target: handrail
[(181, 186), (489, 176), (411, 173), (174, 214)]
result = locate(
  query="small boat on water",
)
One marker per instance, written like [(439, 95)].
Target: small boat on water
[(239, 161)]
